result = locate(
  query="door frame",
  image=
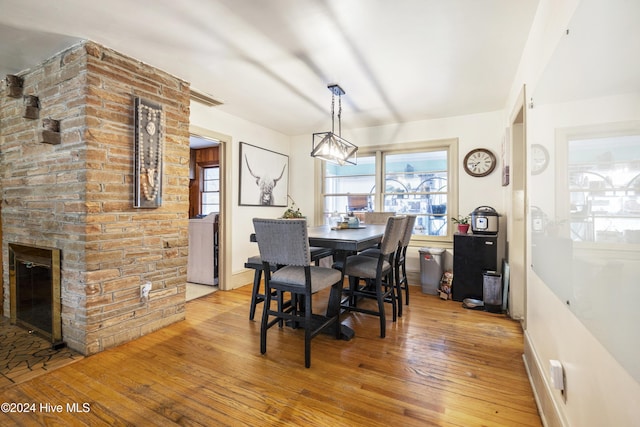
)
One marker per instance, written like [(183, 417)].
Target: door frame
[(518, 242), (224, 256)]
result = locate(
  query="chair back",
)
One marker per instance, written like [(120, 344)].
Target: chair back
[(392, 233), (283, 241), (408, 231), (377, 217)]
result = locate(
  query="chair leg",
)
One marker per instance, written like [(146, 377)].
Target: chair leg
[(307, 331), (256, 297), (265, 321), (405, 281), (392, 291), (353, 285), (380, 298), (398, 286), (280, 302)]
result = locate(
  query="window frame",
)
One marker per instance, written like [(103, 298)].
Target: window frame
[(449, 145), (202, 188)]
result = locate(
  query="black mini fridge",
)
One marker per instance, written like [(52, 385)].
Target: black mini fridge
[(473, 255)]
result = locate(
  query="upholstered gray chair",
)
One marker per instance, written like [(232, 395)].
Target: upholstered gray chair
[(255, 263), (285, 242), (377, 217), (378, 274), (399, 261)]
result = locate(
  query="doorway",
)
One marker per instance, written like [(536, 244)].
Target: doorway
[(517, 244), (208, 192)]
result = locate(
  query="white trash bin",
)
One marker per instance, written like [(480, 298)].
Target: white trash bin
[(430, 269)]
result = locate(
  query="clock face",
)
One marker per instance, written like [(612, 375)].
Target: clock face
[(539, 158), (479, 162)]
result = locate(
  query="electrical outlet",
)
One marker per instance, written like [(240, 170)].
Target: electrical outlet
[(557, 374), (144, 291)]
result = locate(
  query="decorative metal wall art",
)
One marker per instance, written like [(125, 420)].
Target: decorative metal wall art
[(149, 142)]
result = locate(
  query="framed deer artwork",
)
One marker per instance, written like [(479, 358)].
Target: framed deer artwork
[(264, 177)]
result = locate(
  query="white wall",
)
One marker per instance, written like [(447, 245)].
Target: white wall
[(599, 391), (239, 218), (473, 131)]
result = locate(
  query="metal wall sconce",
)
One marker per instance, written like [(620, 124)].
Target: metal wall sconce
[(13, 86), (329, 146), (31, 107), (50, 132)]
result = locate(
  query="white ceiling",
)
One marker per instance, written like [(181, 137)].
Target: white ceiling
[(270, 61)]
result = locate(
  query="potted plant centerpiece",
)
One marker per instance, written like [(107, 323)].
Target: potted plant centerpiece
[(292, 211), (463, 223)]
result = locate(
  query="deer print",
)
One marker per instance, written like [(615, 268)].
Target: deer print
[(266, 184)]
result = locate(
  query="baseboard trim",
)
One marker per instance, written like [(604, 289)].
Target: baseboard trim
[(239, 279), (549, 412)]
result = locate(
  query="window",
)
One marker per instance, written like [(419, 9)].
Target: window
[(604, 189), (416, 181), (210, 190)]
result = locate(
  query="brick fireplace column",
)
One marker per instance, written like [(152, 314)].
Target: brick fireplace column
[(77, 196)]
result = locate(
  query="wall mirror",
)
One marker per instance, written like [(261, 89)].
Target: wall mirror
[(584, 118)]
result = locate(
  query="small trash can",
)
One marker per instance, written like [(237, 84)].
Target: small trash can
[(430, 269), (492, 291)]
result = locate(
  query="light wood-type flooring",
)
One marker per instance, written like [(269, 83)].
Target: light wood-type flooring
[(440, 365)]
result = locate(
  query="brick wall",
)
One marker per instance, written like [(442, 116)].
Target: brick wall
[(78, 196)]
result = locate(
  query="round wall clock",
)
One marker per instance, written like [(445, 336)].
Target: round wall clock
[(479, 162), (539, 158)]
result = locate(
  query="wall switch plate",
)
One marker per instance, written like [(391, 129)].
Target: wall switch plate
[(144, 290)]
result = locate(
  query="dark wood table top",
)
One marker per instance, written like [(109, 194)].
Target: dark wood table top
[(346, 239)]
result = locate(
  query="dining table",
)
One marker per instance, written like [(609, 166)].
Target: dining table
[(354, 239), (344, 241)]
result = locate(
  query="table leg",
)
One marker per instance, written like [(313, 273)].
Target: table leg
[(333, 308)]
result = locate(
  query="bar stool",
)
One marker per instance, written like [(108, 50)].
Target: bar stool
[(402, 283), (255, 263), (257, 297), (378, 273), (399, 261)]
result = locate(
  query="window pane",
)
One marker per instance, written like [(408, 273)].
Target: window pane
[(349, 187), (210, 198), (211, 173), (416, 183), (604, 189), (343, 204), (212, 185), (207, 209)]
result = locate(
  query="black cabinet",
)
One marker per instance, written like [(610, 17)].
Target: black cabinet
[(472, 256)]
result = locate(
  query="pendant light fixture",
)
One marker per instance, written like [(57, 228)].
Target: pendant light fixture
[(329, 146)]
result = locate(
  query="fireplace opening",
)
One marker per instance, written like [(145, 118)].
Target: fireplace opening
[(34, 280)]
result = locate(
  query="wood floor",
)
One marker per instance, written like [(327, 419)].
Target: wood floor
[(440, 365)]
